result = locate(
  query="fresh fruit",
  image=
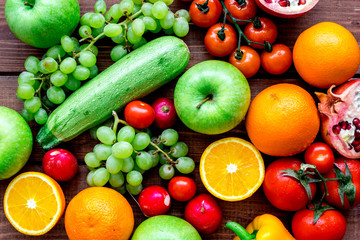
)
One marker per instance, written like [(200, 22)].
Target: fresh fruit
[(278, 61), (15, 142), (220, 40), (321, 156), (69, 120), (139, 114), (261, 30), (99, 213), (243, 10), (154, 200), (285, 192), (161, 227), (247, 61), (282, 120), (317, 59), (205, 13), (60, 164), (33, 203), (42, 23), (204, 213), (222, 169), (212, 97), (165, 113), (182, 188), (286, 8), (340, 118)]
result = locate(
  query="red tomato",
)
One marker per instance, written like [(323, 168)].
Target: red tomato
[(139, 114), (330, 226), (267, 32), (154, 200), (60, 164), (205, 16), (333, 186), (284, 192), (182, 188), (320, 155), (217, 47), (278, 61), (246, 11), (249, 63)]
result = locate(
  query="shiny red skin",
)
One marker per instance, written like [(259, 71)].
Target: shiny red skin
[(250, 62), (217, 47), (247, 12), (154, 200), (278, 61), (60, 164), (181, 188), (204, 213), (284, 192), (268, 32), (205, 19), (165, 113), (330, 226), (334, 198), (320, 155), (139, 114), (265, 7)]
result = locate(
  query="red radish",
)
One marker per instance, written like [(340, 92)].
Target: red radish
[(60, 164), (182, 188), (154, 200), (165, 114), (204, 213)]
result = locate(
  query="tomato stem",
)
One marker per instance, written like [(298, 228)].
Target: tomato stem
[(203, 7)]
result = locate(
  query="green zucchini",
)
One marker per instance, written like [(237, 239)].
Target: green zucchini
[(134, 76)]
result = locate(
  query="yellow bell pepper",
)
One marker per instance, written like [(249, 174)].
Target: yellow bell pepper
[(264, 227)]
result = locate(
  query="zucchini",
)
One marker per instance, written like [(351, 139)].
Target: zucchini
[(134, 76)]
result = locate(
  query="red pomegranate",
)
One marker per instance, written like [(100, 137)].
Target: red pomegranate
[(340, 118), (286, 8)]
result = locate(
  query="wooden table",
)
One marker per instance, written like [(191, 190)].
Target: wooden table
[(14, 52)]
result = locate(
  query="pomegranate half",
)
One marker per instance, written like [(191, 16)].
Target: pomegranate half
[(340, 118), (286, 8)]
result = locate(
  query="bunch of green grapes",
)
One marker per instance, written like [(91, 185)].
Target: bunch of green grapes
[(121, 158)]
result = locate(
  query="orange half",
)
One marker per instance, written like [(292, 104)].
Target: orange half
[(232, 169), (33, 203)]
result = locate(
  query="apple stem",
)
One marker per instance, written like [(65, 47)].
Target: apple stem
[(26, 3), (202, 102)]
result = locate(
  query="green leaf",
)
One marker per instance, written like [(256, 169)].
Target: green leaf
[(346, 186), (319, 210)]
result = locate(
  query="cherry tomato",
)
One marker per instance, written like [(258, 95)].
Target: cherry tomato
[(246, 11), (60, 164), (217, 47), (249, 63), (203, 15), (277, 61), (330, 226), (139, 114), (154, 200), (320, 155), (267, 32), (182, 188), (165, 113), (285, 192)]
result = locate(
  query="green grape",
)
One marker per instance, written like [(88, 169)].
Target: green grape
[(163, 158), (36, 84), (68, 65), (48, 65), (158, 27), (115, 11), (122, 149), (31, 64), (101, 177), (180, 149), (126, 6), (72, 84), (117, 180), (156, 141), (155, 157), (146, 9), (159, 10), (138, 2), (25, 91), (55, 52), (166, 171), (137, 7), (183, 13), (85, 19), (97, 31), (67, 44), (134, 178), (102, 151), (41, 116), (89, 178), (169, 137), (128, 164), (47, 102), (150, 23), (106, 135), (93, 71), (19, 98), (138, 169), (58, 78), (91, 160), (97, 20), (92, 132), (141, 141), (121, 190), (87, 59), (92, 49), (138, 27), (139, 44), (81, 73), (167, 2), (28, 116), (143, 160), (169, 31), (32, 104), (181, 27), (132, 37), (134, 190), (126, 133), (185, 165), (100, 6), (168, 21), (85, 31), (113, 164), (119, 39), (56, 95), (26, 77), (112, 30), (76, 44), (118, 52)]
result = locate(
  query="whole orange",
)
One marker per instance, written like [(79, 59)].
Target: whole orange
[(282, 120), (99, 213), (326, 54)]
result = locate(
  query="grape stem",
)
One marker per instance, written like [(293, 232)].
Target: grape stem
[(116, 121), (165, 154)]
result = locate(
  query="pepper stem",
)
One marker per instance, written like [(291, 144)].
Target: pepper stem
[(240, 231)]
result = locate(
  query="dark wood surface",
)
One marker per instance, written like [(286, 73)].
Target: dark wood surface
[(13, 53)]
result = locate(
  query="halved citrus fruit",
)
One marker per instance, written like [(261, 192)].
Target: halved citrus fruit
[(33, 203), (232, 169)]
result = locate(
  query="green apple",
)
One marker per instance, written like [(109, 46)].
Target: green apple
[(212, 97), (164, 227), (41, 23), (16, 142)]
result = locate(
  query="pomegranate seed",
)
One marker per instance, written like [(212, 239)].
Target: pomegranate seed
[(357, 126), (357, 148), (302, 2), (284, 3), (355, 143), (343, 124), (268, 1), (336, 129), (356, 121), (357, 133)]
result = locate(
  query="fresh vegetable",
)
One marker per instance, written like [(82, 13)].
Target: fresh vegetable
[(247, 60), (182, 188), (243, 10), (60, 164), (81, 112), (165, 113), (139, 114), (286, 8), (278, 60), (320, 155), (220, 40), (154, 200), (261, 30), (205, 13)]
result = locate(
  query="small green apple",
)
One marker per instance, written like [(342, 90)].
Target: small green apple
[(212, 97), (16, 142), (41, 23)]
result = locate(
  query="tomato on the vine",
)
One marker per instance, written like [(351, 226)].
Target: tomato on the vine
[(220, 41), (247, 61), (182, 188), (139, 114), (321, 156), (261, 30), (204, 13), (278, 61), (241, 9)]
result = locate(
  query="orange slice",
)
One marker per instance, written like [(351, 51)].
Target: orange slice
[(232, 169), (33, 203)]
